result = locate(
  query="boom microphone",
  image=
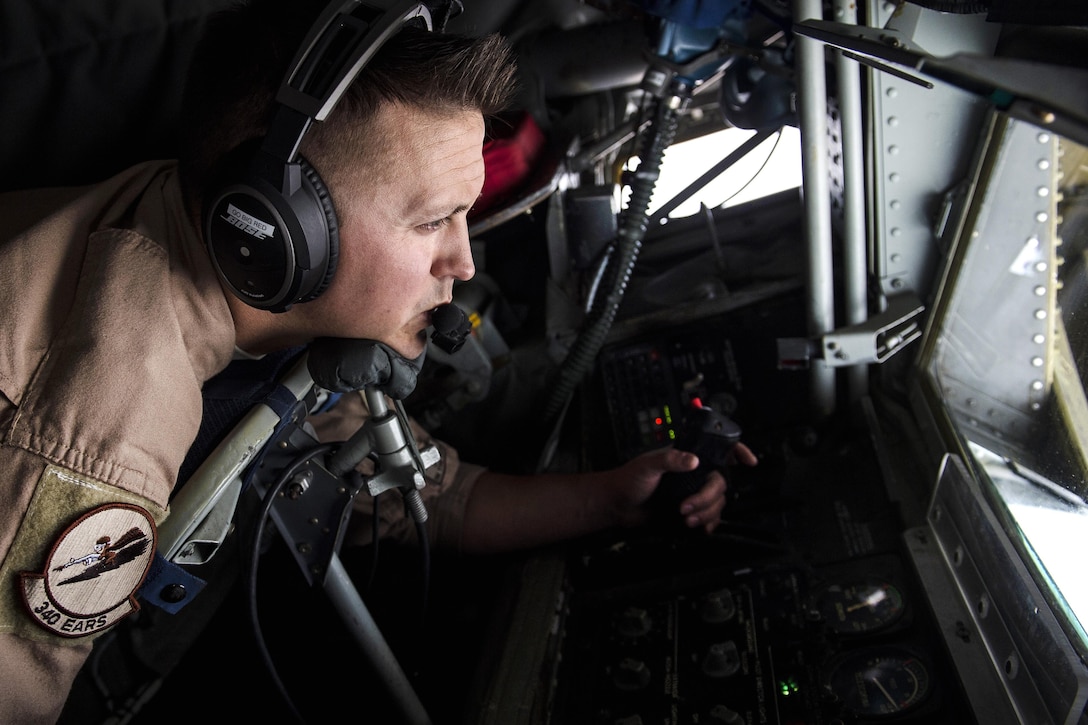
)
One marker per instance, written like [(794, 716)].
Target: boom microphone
[(451, 327)]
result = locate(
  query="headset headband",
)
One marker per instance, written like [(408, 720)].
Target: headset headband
[(342, 40), (270, 224)]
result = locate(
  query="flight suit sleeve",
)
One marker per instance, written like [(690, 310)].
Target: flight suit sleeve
[(57, 600)]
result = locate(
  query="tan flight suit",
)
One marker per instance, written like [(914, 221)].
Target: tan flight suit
[(112, 320)]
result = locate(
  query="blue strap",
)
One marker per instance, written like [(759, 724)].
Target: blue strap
[(168, 586)]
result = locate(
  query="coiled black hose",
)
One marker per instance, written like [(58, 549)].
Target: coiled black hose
[(633, 224)]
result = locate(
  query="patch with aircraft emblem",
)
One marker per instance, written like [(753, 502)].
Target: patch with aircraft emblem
[(93, 571)]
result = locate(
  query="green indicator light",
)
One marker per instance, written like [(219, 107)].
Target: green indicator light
[(788, 687), (668, 414), (672, 434)]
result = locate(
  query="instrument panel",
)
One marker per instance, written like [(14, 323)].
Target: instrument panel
[(801, 607), (804, 614)]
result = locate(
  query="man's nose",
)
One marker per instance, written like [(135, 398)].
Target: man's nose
[(456, 260)]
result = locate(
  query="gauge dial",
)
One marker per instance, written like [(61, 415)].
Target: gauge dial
[(880, 681), (860, 607)]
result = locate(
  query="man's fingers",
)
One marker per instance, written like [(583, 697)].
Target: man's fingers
[(743, 454), (704, 507)]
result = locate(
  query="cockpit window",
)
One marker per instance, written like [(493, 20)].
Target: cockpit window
[(1007, 353), (771, 165)]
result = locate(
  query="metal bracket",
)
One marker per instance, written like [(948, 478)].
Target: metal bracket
[(204, 541), (1047, 95), (315, 504), (872, 341)]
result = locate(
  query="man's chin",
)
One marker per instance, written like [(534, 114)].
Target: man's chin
[(411, 349)]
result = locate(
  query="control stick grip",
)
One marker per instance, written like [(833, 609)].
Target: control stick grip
[(711, 436)]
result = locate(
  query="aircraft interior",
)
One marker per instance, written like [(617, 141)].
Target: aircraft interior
[(892, 325)]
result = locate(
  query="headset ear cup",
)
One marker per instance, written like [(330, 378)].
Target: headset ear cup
[(271, 229), (321, 192)]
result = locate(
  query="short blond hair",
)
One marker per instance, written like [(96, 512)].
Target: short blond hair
[(245, 52)]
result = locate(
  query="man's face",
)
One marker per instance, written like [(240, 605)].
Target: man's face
[(404, 237)]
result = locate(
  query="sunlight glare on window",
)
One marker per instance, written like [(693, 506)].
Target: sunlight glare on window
[(771, 167), (1051, 520)]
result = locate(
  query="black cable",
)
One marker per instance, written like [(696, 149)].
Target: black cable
[(633, 223), (255, 554)]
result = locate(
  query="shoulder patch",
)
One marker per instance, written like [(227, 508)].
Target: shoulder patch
[(93, 571)]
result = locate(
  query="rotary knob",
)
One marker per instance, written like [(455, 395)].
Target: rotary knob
[(634, 622), (722, 660), (717, 607), (722, 715), (630, 674)]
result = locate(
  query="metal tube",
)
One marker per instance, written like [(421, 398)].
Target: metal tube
[(345, 597), (855, 246), (812, 114)]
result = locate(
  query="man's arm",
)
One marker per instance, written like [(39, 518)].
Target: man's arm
[(507, 512)]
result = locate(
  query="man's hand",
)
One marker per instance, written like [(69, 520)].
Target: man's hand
[(704, 507), (632, 484)]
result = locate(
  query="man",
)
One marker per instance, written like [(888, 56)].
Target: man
[(115, 317)]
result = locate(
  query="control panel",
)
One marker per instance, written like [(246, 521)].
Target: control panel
[(764, 644), (801, 607)]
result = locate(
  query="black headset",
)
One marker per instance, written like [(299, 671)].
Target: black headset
[(270, 227)]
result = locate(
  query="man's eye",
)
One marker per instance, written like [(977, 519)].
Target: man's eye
[(434, 226)]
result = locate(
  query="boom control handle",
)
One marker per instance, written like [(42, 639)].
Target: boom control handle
[(711, 436)]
